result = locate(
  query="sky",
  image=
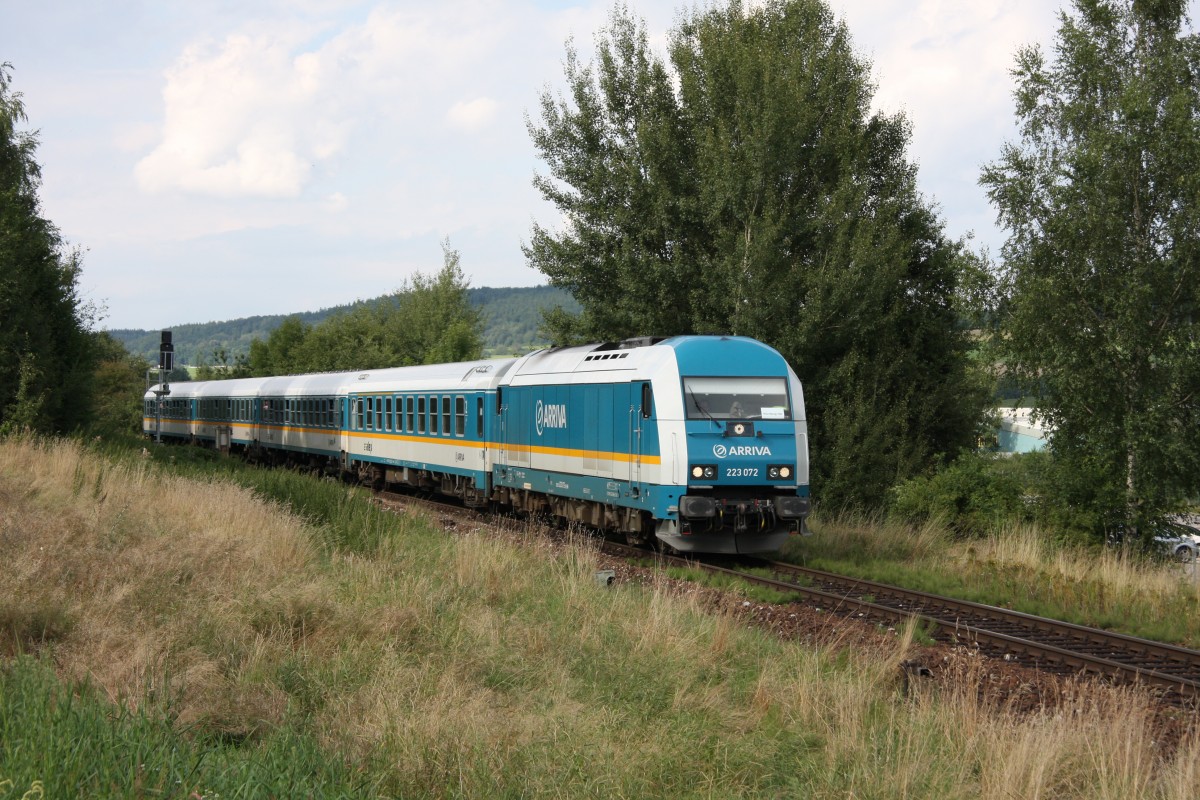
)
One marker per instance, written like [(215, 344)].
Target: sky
[(216, 159)]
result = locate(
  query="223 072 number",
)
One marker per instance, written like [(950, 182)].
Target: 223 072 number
[(741, 472)]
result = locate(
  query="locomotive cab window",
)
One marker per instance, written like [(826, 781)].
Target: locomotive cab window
[(736, 398)]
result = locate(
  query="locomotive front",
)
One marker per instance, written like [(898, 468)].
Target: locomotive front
[(746, 462)]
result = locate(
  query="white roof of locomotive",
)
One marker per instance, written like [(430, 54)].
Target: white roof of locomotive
[(589, 363)]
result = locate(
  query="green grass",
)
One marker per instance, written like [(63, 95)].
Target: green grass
[(71, 742)]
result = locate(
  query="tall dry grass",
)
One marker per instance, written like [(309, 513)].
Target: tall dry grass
[(1120, 572), (153, 579), (468, 666)]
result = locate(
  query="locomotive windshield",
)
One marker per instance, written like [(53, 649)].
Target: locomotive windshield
[(736, 398)]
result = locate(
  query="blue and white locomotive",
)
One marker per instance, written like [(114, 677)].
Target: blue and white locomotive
[(698, 441)]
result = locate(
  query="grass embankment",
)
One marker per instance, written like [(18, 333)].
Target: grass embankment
[(1018, 568), (205, 641)]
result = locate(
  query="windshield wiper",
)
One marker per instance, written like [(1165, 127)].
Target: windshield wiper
[(702, 409)]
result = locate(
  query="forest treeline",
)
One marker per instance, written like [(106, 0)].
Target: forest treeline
[(511, 316)]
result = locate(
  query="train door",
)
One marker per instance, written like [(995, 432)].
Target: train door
[(641, 408), (259, 419), (502, 432), (343, 423)]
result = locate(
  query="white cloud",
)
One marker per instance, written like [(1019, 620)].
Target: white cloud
[(472, 115), (262, 111), (243, 117)]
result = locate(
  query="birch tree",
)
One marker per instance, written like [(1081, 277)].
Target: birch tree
[(1099, 196)]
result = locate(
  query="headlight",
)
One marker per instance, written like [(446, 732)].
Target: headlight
[(701, 471), (779, 472)]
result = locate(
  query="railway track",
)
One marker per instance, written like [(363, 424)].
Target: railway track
[(1047, 644), (1173, 672)]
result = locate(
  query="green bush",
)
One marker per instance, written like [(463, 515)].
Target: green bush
[(972, 494), (979, 492)]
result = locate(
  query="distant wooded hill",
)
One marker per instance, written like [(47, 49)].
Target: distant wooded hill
[(511, 317)]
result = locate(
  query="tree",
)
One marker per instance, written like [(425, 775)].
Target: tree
[(119, 382), (1103, 257), (437, 312), (282, 352), (45, 360), (762, 197)]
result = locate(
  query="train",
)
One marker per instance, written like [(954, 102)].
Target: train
[(698, 444)]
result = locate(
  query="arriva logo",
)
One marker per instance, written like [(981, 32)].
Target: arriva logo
[(720, 450), (554, 416)]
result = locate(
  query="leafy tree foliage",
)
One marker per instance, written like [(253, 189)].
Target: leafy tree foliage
[(119, 383), (429, 320), (282, 353), (1103, 257), (760, 196), (45, 361)]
